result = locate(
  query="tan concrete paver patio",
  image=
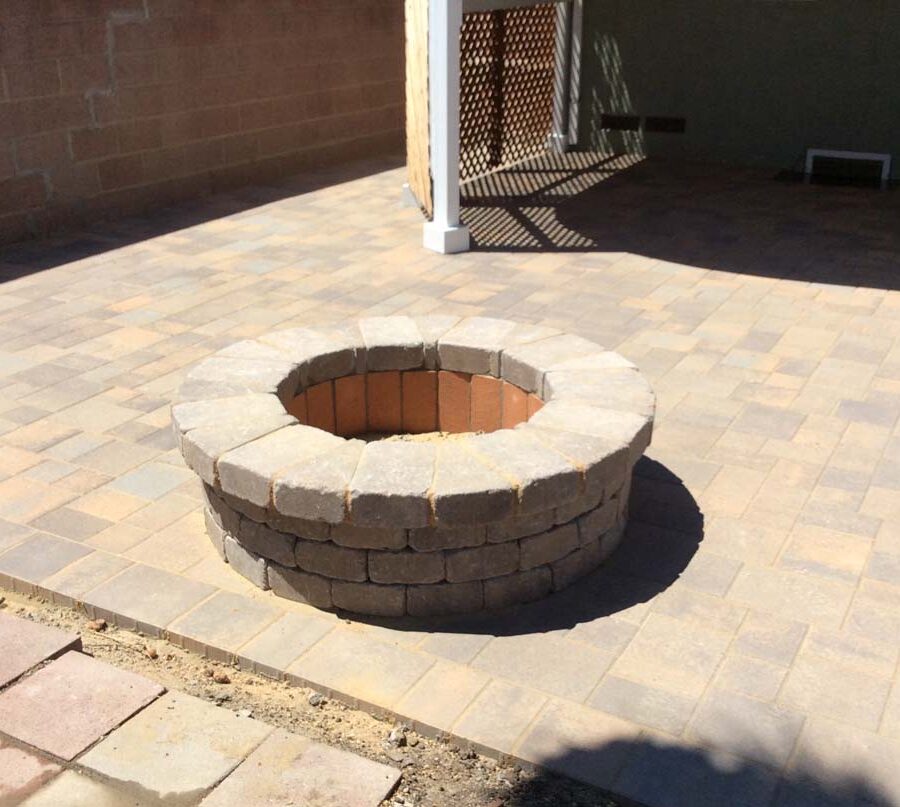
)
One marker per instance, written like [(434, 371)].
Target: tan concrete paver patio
[(741, 647)]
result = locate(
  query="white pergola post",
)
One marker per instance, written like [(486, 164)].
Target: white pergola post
[(567, 75), (444, 233), (576, 26), (559, 137)]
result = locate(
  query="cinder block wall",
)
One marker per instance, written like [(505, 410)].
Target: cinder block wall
[(111, 107)]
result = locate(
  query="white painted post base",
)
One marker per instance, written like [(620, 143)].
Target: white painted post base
[(445, 233), (446, 240)]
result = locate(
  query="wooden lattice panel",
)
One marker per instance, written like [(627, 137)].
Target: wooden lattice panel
[(506, 86)]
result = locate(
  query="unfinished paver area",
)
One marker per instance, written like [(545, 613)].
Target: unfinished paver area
[(517, 486), (754, 605), (74, 732)]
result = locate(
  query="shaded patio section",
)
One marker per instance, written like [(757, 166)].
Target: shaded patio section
[(717, 217)]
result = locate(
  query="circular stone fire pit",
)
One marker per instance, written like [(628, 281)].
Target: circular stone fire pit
[(420, 466)]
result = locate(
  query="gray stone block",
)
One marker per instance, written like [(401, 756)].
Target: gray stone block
[(576, 565), (391, 484), (540, 550), (432, 328), (517, 588), (445, 598), (243, 508), (577, 507), (429, 539), (320, 356), (611, 539), (516, 527), (246, 563), (597, 522), (474, 345), (330, 560), (527, 332), (248, 375), (525, 364), (220, 511), (482, 562), (369, 598), (247, 472), (202, 447), (466, 489), (255, 350), (252, 407), (624, 428), (604, 360), (601, 460), (619, 389), (301, 527), (316, 488), (349, 334), (368, 537), (263, 540), (622, 497), (198, 389), (215, 532), (392, 343), (543, 478), (300, 586), (406, 567)]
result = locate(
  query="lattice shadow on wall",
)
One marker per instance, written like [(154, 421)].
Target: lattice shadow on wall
[(507, 62)]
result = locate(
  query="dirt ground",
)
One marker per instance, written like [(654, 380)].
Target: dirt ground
[(436, 773)]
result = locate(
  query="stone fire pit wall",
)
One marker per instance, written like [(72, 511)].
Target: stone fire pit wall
[(318, 488)]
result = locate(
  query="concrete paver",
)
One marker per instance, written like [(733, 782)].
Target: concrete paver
[(764, 520), (39, 556), (225, 621), (273, 649), (287, 769), (177, 748), (77, 790), (71, 703), (375, 672), (561, 729), (148, 598), (22, 773), (26, 644)]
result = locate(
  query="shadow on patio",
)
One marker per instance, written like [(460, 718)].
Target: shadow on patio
[(675, 773), (24, 258), (712, 217)]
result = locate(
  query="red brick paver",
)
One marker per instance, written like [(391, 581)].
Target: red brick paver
[(25, 644), (71, 703)]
